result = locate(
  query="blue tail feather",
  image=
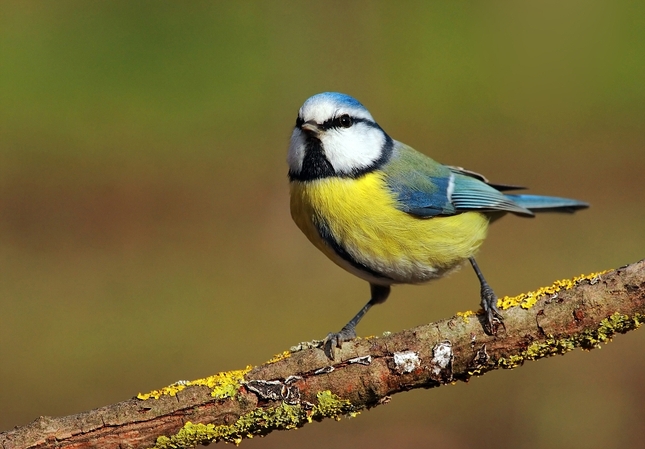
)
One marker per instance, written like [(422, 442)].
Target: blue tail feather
[(539, 203)]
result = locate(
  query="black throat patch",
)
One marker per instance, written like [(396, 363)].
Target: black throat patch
[(315, 164)]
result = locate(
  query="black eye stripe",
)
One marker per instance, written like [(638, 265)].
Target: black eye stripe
[(335, 122)]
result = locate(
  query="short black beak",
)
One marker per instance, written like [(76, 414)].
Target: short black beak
[(312, 128)]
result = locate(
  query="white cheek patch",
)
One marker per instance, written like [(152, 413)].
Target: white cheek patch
[(351, 149), (296, 151)]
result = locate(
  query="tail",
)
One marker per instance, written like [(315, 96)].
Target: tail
[(538, 203)]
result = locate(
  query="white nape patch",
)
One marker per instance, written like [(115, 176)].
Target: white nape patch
[(441, 357), (406, 361), (296, 153), (354, 148)]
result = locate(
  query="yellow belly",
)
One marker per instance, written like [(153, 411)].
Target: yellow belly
[(362, 217)]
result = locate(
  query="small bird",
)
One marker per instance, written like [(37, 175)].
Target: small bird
[(387, 213)]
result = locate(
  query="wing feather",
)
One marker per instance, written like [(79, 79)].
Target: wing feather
[(427, 189)]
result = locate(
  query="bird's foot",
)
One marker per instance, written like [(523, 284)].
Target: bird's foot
[(336, 339), (493, 319)]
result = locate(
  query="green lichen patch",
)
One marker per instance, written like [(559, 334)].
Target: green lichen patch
[(589, 339), (615, 324), (511, 361), (259, 422), (190, 435), (222, 385)]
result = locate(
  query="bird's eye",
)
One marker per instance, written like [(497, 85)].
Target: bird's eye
[(345, 121), (299, 122)]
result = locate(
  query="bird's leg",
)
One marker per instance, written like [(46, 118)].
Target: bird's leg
[(348, 332), (488, 301)]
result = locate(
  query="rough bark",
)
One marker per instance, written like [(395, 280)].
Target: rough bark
[(300, 386)]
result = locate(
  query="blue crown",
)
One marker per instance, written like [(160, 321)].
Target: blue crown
[(338, 98)]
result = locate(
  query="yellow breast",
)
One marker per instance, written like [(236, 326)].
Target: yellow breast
[(362, 217)]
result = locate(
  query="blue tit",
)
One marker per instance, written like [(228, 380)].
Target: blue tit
[(387, 213)]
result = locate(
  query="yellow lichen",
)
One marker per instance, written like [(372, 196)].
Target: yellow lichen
[(512, 361), (466, 315), (528, 299), (170, 390), (222, 385), (259, 422), (331, 406), (190, 435), (369, 337), (276, 358)]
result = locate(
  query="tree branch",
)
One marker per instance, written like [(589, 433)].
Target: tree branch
[(301, 385)]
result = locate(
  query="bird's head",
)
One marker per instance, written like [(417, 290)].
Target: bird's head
[(335, 136)]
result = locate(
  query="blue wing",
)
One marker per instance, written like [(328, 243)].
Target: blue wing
[(426, 188), (472, 194), (425, 198)]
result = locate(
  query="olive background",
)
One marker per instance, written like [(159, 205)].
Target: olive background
[(145, 234)]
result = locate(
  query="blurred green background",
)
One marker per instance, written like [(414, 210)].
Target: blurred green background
[(145, 234)]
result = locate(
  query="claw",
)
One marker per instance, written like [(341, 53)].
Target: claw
[(493, 316), (336, 339)]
